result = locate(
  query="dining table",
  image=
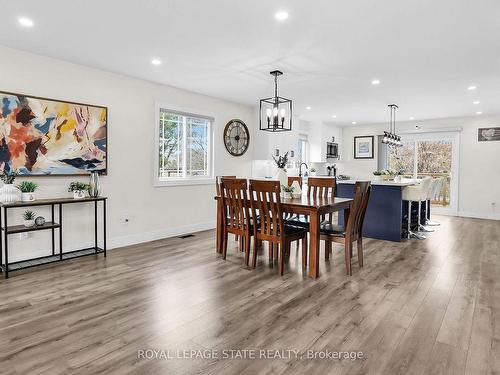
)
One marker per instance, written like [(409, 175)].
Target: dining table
[(314, 207)]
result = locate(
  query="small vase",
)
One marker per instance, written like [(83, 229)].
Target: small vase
[(287, 195), (78, 194), (281, 177), (29, 223), (28, 197), (10, 193), (94, 185)]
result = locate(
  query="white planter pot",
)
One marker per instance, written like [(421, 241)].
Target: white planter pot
[(287, 195), (10, 193), (28, 197), (313, 174), (281, 177), (79, 194), (377, 178), (29, 223)]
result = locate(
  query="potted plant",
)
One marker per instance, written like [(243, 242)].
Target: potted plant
[(29, 218), (10, 193), (281, 163), (28, 190), (287, 191), (313, 171), (378, 175), (79, 189)]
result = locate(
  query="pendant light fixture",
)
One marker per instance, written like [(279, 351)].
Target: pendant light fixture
[(275, 112), (390, 137)]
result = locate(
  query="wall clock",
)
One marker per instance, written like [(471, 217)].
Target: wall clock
[(236, 137)]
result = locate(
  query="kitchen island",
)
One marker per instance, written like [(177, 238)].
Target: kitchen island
[(384, 215)]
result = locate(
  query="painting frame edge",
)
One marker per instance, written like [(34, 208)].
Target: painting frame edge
[(372, 149), (75, 103)]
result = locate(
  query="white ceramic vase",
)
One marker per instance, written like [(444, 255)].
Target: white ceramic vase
[(281, 177), (10, 193), (78, 194), (28, 197), (29, 223)]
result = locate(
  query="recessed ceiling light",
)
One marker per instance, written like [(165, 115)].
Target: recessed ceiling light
[(308, 108), (156, 62), (26, 22), (412, 118), (476, 102), (479, 113), (281, 15), (376, 82), (471, 88), (334, 116), (354, 122)]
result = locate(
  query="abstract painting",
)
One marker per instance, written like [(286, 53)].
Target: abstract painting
[(488, 134), (40, 136)]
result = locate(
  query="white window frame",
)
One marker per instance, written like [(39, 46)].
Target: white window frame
[(179, 181)]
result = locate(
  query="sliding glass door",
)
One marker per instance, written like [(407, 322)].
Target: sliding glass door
[(431, 155)]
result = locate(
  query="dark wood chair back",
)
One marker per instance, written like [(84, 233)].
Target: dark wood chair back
[(234, 193), (354, 228), (322, 187), (218, 180), (265, 201), (294, 178)]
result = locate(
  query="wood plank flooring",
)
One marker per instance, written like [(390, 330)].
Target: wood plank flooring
[(417, 307)]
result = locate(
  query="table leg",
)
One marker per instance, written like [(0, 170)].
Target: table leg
[(1, 242), (53, 230), (95, 226), (314, 241), (104, 247), (60, 232), (6, 237)]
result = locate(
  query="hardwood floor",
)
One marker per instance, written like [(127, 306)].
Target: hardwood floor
[(417, 307)]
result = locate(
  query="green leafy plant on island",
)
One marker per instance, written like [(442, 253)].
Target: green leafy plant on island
[(29, 215), (313, 170), (78, 186), (27, 186), (8, 177), (287, 189)]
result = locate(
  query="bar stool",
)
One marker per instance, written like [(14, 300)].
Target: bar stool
[(437, 184), (416, 193)]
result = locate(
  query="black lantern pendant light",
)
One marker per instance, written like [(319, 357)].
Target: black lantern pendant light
[(276, 112), (390, 137)]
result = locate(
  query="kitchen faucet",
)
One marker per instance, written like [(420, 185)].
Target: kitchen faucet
[(300, 168)]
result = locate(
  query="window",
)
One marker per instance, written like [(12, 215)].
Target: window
[(184, 148), (303, 147)]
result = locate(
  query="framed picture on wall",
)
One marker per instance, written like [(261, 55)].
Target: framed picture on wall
[(488, 134), (47, 137), (363, 147)]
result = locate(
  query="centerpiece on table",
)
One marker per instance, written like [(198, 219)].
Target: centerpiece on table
[(281, 163), (79, 189), (29, 218), (27, 190)]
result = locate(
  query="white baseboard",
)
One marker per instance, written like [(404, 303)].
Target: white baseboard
[(134, 239), (480, 215)]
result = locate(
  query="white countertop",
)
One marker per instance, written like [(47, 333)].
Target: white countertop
[(381, 182)]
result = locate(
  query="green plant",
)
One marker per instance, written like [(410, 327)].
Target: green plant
[(378, 173), (8, 177), (27, 186), (282, 161), (313, 170), (287, 189), (29, 215), (78, 186)]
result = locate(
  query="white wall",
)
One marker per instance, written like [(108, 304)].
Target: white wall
[(154, 212), (479, 180)]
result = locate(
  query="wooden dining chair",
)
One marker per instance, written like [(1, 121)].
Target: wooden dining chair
[(219, 234), (353, 230), (292, 179), (322, 187), (267, 211), (234, 193)]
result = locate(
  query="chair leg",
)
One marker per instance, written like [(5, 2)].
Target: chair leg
[(224, 245), (242, 244), (304, 251), (236, 237), (328, 249), (281, 257), (360, 251), (270, 246), (348, 251), (255, 250), (247, 249)]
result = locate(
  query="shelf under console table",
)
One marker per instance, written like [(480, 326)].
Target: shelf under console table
[(52, 225)]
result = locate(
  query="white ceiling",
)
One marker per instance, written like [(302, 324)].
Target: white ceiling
[(425, 52)]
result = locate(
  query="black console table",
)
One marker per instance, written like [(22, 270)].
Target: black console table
[(7, 230)]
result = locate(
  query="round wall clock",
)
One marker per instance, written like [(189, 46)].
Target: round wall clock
[(236, 137)]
